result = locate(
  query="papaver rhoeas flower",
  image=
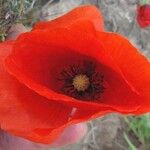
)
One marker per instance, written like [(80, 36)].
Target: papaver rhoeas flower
[(67, 71), (143, 16)]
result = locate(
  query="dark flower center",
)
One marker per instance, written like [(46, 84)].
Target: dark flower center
[(82, 81)]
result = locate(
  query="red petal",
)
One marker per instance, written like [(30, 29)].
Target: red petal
[(37, 62), (25, 113), (134, 66), (89, 13)]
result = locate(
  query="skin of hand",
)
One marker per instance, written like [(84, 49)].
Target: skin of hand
[(70, 135)]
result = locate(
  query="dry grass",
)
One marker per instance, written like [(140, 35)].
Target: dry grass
[(18, 11)]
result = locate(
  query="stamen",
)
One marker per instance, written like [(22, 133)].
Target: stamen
[(81, 82)]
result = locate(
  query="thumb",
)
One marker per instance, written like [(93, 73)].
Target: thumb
[(15, 31)]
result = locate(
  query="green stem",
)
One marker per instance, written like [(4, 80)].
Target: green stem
[(134, 131)]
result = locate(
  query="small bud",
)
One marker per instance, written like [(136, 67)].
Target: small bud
[(143, 16)]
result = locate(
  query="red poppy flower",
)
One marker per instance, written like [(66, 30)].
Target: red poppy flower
[(143, 16), (67, 71)]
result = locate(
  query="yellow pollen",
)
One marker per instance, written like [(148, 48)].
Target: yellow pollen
[(81, 82)]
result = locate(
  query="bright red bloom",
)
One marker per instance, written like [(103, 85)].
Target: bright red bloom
[(67, 71), (143, 16)]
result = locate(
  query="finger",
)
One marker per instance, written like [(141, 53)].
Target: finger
[(10, 142), (71, 135), (15, 30)]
